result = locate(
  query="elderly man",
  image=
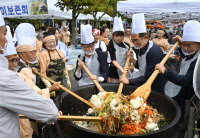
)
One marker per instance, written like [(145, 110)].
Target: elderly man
[(94, 60), (16, 97), (149, 56), (180, 86), (11, 55)]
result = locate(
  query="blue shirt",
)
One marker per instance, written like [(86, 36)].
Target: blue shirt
[(61, 46)]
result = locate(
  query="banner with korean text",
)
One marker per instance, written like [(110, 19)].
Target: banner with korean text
[(9, 8)]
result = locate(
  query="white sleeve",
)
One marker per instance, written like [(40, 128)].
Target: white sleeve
[(101, 79), (18, 97), (78, 75), (134, 55), (103, 46)]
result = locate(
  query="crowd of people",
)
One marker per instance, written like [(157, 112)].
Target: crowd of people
[(23, 92)]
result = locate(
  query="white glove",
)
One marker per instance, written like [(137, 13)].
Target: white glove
[(46, 82), (67, 79), (48, 85)]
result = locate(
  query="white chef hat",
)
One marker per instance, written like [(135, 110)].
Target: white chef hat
[(2, 23), (191, 31), (25, 33), (118, 25), (10, 50), (86, 34), (138, 24)]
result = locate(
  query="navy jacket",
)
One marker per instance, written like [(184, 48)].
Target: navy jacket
[(154, 57)]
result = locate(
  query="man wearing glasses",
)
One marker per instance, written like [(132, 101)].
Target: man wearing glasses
[(149, 55), (95, 61)]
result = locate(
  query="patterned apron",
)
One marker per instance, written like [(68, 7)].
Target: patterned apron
[(55, 71)]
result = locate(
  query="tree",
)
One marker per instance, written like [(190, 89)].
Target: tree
[(77, 6), (99, 6)]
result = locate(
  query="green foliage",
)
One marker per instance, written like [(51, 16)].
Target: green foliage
[(80, 6), (16, 22)]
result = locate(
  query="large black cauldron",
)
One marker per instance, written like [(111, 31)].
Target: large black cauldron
[(71, 105)]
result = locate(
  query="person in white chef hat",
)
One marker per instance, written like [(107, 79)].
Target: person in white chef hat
[(18, 98), (95, 60), (118, 50), (149, 56), (179, 86), (11, 55)]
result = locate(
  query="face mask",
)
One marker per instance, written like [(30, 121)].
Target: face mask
[(51, 47), (32, 61), (187, 53), (138, 47), (89, 52)]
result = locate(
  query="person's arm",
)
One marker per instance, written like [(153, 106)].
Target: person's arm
[(18, 97), (153, 58), (117, 65), (181, 80), (28, 73), (103, 46), (44, 92), (43, 62), (103, 66), (112, 51), (68, 33), (78, 70), (166, 45)]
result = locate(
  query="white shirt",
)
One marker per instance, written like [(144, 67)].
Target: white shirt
[(103, 46), (18, 98)]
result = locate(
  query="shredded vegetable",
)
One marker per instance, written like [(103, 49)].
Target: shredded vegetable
[(123, 115)]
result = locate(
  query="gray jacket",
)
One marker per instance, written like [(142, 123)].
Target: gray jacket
[(16, 97)]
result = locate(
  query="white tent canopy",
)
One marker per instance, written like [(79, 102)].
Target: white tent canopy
[(161, 9), (106, 17)]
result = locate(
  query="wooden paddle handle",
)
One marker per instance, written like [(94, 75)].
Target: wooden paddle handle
[(124, 74), (90, 74), (155, 73), (67, 90), (73, 118)]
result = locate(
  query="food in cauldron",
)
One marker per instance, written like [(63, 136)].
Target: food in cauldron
[(123, 115)]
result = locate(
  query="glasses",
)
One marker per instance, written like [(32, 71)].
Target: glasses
[(88, 46), (51, 41), (188, 45), (135, 41), (14, 60)]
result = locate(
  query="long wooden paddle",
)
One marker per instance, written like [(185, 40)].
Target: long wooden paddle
[(145, 89), (67, 90), (73, 118), (90, 74), (121, 85)]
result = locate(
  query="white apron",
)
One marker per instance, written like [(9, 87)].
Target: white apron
[(172, 89), (142, 62), (93, 68), (121, 57)]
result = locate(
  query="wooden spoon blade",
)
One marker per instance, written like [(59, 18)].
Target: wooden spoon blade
[(143, 91)]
